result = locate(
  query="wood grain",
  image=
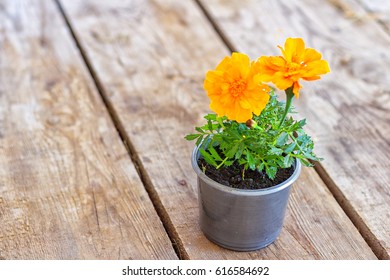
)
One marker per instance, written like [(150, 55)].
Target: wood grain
[(68, 189), (378, 10), (348, 111), (150, 58)]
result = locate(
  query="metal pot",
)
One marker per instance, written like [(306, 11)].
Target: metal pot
[(241, 220)]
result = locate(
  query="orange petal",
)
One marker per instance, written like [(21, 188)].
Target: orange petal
[(223, 64), (281, 82), (268, 66), (242, 62), (282, 50), (311, 55), (312, 78), (261, 104), (256, 80), (294, 49), (240, 58), (296, 87), (244, 103), (316, 68), (275, 62)]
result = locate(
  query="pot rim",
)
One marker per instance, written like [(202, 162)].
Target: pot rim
[(221, 187)]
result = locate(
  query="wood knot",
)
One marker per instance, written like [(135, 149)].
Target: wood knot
[(182, 182), (61, 119), (345, 60)]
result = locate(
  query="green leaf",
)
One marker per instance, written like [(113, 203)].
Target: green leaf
[(210, 125), (305, 162), (290, 148), (275, 151), (288, 160), (231, 152), (199, 140), (199, 130), (242, 161), (282, 139), (261, 167), (215, 154), (191, 137), (208, 158), (271, 171), (211, 117), (251, 160), (220, 121), (239, 152), (215, 126), (302, 123)]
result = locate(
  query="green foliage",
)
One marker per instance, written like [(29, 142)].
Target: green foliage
[(267, 145)]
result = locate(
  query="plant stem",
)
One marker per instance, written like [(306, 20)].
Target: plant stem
[(296, 142), (289, 97), (220, 165)]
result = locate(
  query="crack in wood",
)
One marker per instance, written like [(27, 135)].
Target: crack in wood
[(158, 206), (365, 232)]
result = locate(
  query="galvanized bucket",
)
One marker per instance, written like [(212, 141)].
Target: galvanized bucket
[(241, 220)]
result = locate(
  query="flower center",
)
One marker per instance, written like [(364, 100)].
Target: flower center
[(237, 87), (293, 67)]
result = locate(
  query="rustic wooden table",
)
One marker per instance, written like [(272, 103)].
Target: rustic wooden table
[(96, 96)]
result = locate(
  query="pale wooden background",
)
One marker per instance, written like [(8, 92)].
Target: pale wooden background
[(96, 97)]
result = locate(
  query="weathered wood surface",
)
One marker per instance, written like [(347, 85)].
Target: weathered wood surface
[(378, 10), (68, 189), (348, 111), (150, 58)]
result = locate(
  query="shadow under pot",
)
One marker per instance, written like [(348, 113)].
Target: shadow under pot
[(241, 220)]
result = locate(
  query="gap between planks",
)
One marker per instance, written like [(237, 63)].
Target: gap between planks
[(345, 205), (357, 221), (177, 244), (215, 26)]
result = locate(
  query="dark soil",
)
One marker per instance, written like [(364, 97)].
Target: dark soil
[(253, 180)]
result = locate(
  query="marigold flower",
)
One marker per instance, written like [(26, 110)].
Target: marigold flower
[(296, 63), (235, 90)]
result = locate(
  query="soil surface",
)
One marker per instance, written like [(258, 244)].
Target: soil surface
[(253, 180)]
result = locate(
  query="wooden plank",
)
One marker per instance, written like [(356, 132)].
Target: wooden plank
[(362, 10), (348, 111), (379, 10), (151, 58), (68, 189)]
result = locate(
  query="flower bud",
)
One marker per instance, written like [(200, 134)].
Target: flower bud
[(251, 123)]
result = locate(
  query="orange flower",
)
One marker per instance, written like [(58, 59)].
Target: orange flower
[(235, 90), (296, 63)]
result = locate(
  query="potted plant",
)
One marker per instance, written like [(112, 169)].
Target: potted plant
[(249, 152)]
